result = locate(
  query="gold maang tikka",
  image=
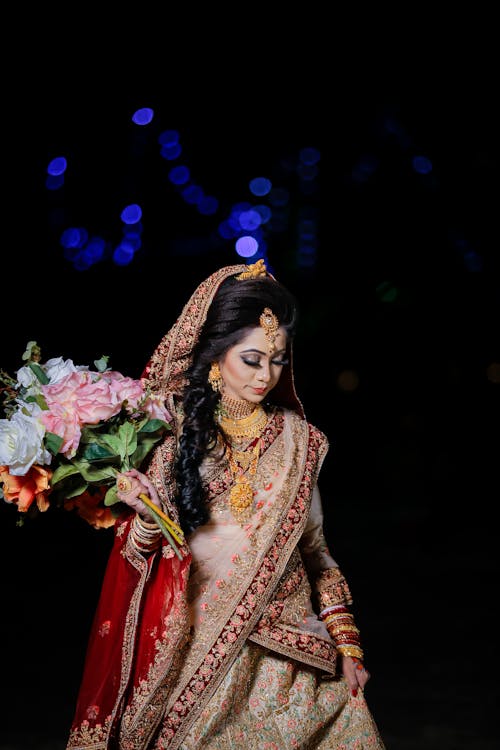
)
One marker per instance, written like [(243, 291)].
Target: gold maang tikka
[(270, 323)]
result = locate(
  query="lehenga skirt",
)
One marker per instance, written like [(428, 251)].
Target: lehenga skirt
[(269, 702)]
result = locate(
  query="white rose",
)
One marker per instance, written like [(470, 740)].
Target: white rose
[(28, 380), (57, 368), (21, 443)]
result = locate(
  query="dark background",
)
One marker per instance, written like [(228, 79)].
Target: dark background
[(397, 352)]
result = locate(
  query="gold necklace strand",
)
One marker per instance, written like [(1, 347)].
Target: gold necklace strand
[(236, 408), (241, 493), (247, 427)]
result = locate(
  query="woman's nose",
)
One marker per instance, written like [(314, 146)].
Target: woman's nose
[(264, 374)]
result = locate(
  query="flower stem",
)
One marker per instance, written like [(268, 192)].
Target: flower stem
[(174, 529)]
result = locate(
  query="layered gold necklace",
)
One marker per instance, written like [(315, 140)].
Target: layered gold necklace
[(243, 462)]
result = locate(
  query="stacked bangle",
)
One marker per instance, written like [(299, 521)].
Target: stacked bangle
[(144, 536), (343, 631)]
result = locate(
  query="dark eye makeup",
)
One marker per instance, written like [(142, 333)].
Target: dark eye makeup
[(256, 363)]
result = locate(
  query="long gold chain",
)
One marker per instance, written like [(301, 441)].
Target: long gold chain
[(243, 463)]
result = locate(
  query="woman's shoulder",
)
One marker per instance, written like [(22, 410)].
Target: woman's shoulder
[(315, 433)]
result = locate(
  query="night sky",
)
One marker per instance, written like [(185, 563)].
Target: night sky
[(397, 354)]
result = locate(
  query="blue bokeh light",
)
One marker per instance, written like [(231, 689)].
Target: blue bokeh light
[(260, 186), (246, 246), (131, 214), (57, 166), (422, 164), (179, 175), (143, 116)]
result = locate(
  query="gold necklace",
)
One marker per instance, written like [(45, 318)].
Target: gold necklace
[(236, 407), (243, 463), (241, 493), (247, 427)]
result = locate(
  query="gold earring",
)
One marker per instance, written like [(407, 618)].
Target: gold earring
[(215, 377)]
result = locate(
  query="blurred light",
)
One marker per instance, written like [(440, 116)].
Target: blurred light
[(131, 214), (308, 229), (192, 194), (123, 254), (307, 171), (306, 256), (260, 186), (179, 175), (74, 237), (143, 116), (422, 164), (54, 183), (473, 262), (279, 197), (171, 152), (246, 246), (57, 166), (348, 381), (264, 212), (249, 220), (365, 167), (132, 240), (82, 261), (168, 138), (208, 205), (94, 249), (309, 156), (226, 230)]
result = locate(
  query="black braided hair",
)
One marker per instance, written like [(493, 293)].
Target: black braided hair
[(235, 310)]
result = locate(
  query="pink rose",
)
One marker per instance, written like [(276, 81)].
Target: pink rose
[(124, 389), (65, 423), (154, 406)]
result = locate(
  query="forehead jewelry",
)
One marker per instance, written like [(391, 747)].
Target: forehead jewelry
[(270, 323)]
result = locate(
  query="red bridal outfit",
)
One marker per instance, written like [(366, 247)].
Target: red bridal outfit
[(224, 647)]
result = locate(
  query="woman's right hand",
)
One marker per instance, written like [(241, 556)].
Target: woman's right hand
[(130, 484)]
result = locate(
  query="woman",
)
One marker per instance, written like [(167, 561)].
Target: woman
[(241, 636)]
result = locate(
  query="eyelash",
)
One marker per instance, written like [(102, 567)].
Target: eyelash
[(280, 363)]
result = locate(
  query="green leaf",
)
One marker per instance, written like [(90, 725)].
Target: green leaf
[(74, 490), (94, 473), (38, 399), (111, 496), (101, 364), (154, 425), (96, 452), (117, 509), (62, 472), (116, 444), (144, 447), (128, 435), (37, 370), (53, 442)]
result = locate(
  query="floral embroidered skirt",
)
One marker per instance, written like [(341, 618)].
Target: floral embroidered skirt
[(269, 702)]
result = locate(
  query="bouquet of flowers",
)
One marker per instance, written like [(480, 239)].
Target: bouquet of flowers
[(70, 431)]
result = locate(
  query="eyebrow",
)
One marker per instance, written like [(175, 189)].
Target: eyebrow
[(258, 351)]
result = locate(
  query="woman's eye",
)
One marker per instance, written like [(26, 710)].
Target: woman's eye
[(251, 362), (280, 362)]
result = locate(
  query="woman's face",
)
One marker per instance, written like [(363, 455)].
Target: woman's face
[(248, 370)]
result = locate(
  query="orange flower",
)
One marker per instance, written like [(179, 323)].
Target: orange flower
[(89, 508), (34, 485)]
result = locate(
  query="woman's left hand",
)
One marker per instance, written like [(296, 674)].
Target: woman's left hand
[(355, 673), (138, 483)]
